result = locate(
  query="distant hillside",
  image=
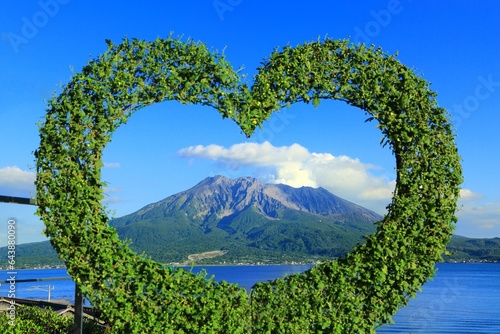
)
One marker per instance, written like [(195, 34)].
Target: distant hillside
[(32, 255), (470, 249), (41, 254), (221, 220)]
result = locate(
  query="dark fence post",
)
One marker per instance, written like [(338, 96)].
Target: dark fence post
[(78, 324)]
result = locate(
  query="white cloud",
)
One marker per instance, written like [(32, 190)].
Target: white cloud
[(251, 154), (467, 195), (113, 200), (112, 190), (477, 216), (111, 165), (294, 165), (16, 182), (479, 219), (109, 195)]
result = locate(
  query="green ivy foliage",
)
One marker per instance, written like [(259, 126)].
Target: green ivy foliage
[(355, 294), (36, 320)]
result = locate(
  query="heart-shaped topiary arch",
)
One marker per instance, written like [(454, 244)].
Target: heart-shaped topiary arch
[(354, 294)]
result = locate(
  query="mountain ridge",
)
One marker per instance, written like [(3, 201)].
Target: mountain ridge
[(245, 215), (246, 221), (269, 197)]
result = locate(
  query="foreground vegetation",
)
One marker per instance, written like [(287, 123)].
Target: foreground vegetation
[(35, 320), (356, 294)]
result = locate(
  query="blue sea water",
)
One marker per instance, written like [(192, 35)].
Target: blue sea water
[(462, 298), (62, 290)]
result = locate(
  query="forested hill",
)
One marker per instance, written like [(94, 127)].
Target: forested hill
[(40, 254), (250, 221), (228, 221)]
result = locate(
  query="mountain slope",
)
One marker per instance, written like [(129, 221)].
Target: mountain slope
[(245, 216), (246, 221)]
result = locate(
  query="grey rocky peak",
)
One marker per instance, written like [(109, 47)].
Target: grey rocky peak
[(220, 196)]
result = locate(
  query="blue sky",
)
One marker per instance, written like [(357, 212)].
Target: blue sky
[(169, 147)]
